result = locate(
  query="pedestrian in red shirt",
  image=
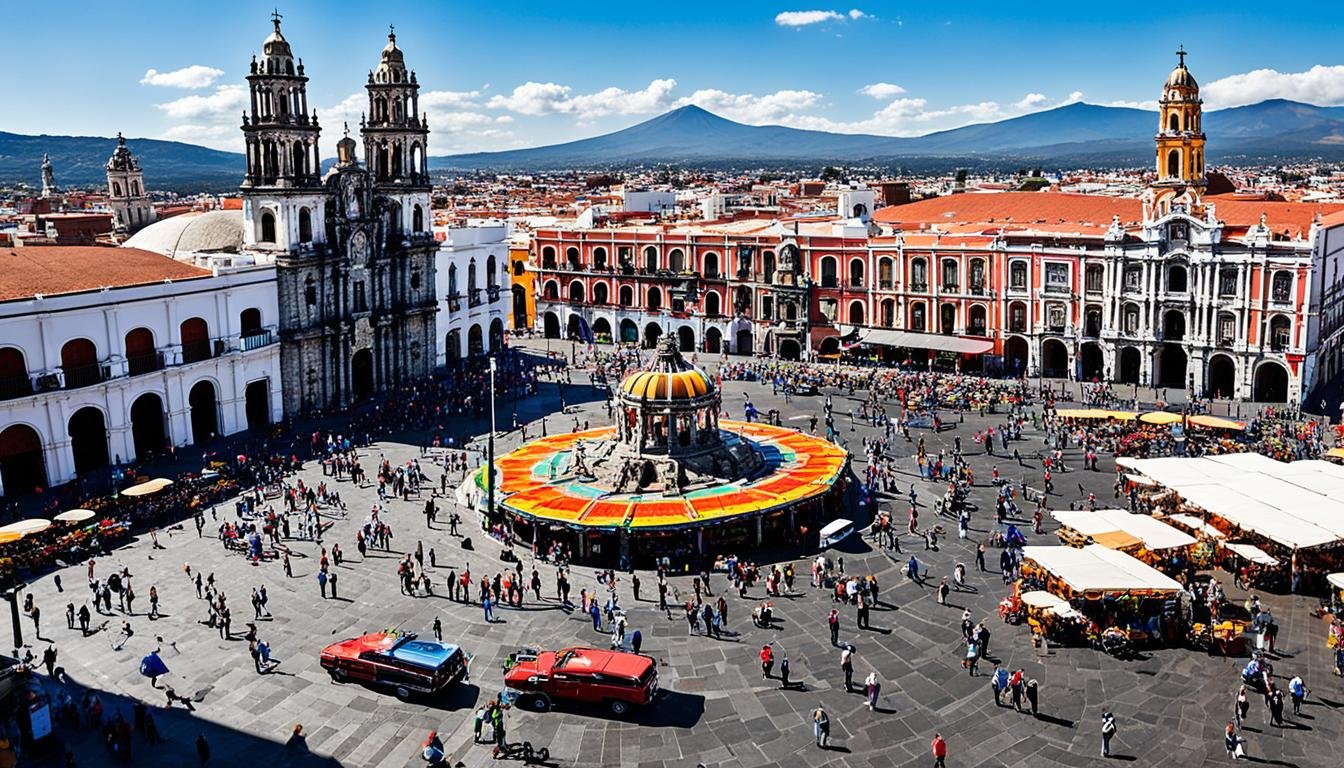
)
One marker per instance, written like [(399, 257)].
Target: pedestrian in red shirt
[(939, 748), (767, 661)]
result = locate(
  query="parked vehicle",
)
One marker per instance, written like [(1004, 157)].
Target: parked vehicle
[(403, 662), (617, 680)]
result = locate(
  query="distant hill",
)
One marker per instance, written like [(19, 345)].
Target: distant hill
[(79, 161), (1075, 135), (1081, 134)]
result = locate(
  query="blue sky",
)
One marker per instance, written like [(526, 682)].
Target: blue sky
[(512, 74)]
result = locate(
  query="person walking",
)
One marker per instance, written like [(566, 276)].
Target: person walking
[(998, 681), (438, 629), (322, 583), (1232, 741), (874, 688), (847, 666), (939, 748), (943, 591), (821, 727), (1108, 731), (833, 620), (784, 673), (332, 580), (1297, 690), (1032, 694), (767, 661)]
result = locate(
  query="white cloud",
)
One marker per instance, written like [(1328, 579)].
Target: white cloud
[(1076, 96), (532, 98), (194, 76), (431, 100), (1323, 85), (226, 100), (750, 108), (1151, 106), (1031, 101), (882, 90), (808, 18)]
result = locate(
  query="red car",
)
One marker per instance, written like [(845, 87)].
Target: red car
[(613, 679), (400, 661)]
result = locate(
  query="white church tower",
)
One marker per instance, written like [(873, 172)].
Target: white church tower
[(126, 189)]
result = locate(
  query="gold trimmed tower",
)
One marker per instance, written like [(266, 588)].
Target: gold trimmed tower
[(1180, 132)]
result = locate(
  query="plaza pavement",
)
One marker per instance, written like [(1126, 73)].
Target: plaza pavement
[(1171, 706)]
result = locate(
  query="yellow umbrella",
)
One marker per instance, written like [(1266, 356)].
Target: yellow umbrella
[(1160, 418), (1214, 422), (75, 516), (8, 536), (1121, 415), (25, 527), (147, 487)]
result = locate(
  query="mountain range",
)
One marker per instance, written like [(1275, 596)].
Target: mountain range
[(1074, 135)]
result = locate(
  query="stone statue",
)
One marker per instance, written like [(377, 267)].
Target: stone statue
[(670, 479)]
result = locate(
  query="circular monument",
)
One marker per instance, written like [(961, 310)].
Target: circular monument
[(669, 479)]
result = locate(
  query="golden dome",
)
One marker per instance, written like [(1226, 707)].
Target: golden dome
[(670, 377)]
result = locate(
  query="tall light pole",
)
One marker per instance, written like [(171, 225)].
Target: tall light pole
[(490, 457)]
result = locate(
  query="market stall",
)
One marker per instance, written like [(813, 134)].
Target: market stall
[(1124, 602), (1142, 536)]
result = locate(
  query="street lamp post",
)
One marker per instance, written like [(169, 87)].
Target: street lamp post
[(490, 443)]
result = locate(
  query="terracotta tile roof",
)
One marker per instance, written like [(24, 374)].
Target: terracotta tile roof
[(1333, 220), (1063, 212), (1055, 210), (57, 269)]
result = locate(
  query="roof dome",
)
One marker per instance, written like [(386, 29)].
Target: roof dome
[(275, 43), (122, 159), (391, 53), (671, 377), (181, 236), (1180, 77)]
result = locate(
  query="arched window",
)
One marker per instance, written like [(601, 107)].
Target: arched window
[(116, 189), (1017, 317), (305, 226), (1281, 288), (452, 280), (711, 261), (471, 279), (947, 319), (135, 188), (141, 357), (599, 293), (888, 312), (856, 313), (655, 299), (576, 291), (1280, 333), (1017, 275), (979, 324), (627, 296), (548, 258), (856, 273), (14, 381), (417, 219), (267, 227), (676, 261), (977, 276), (298, 160), (599, 258), (1174, 162), (1174, 123), (768, 266), (651, 259), (884, 274), (1176, 279), (249, 322), (828, 276), (552, 290), (951, 275), (195, 336), (712, 304), (918, 320), (491, 278), (919, 275), (572, 259)]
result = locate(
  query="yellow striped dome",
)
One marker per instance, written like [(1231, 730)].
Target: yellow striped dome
[(670, 377)]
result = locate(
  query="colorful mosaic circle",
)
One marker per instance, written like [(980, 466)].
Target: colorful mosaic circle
[(798, 468)]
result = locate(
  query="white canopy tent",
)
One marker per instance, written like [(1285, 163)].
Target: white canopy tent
[(1095, 568), (1154, 533), (1253, 553), (1195, 524)]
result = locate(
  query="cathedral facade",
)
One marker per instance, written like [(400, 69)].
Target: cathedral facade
[(353, 249)]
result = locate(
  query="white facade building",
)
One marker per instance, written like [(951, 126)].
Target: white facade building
[(475, 296), (103, 366)]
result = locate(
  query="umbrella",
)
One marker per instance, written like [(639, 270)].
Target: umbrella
[(1213, 422), (25, 527), (8, 536), (75, 516), (1160, 418), (147, 487), (153, 666)]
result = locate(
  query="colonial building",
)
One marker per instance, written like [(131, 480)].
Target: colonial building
[(474, 292), (126, 189), (110, 355), (1175, 288), (353, 250)]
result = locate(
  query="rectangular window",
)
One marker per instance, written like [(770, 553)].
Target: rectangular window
[(361, 301), (1227, 282), (1133, 278), (1056, 276), (1094, 279)]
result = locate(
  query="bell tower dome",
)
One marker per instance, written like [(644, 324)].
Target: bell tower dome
[(126, 189), (396, 135), (282, 189), (1180, 131)]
